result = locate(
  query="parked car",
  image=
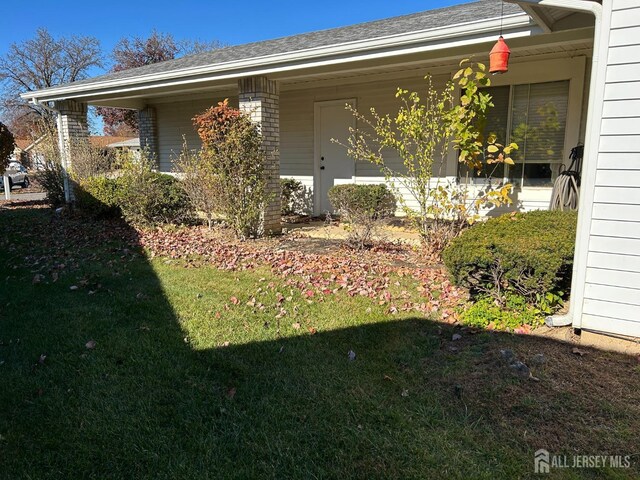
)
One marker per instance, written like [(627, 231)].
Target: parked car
[(17, 174)]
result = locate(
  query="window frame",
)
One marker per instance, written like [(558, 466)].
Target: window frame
[(543, 71)]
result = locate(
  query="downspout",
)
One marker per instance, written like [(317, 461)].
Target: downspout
[(61, 148), (596, 10)]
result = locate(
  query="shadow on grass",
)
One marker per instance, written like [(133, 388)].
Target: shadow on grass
[(155, 399)]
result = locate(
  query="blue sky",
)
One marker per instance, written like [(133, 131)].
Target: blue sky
[(189, 19), (204, 20)]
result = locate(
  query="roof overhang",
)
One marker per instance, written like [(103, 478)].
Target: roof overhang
[(515, 25), (549, 15)]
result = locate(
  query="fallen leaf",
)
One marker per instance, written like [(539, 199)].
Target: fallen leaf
[(231, 393), (296, 326), (73, 287), (577, 351), (234, 300), (91, 344)]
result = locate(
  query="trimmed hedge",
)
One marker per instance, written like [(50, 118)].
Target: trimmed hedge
[(353, 201), (154, 198), (99, 196), (530, 254)]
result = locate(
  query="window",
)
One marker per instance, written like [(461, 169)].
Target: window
[(535, 117)]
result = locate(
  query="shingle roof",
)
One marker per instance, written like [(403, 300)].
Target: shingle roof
[(427, 20)]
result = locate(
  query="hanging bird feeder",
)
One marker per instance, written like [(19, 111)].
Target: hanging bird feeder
[(499, 57)]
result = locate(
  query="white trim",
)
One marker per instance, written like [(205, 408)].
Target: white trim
[(354, 50), (317, 145)]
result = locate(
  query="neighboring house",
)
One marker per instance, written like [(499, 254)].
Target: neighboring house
[(27, 153), (574, 77), (128, 145), (102, 141)]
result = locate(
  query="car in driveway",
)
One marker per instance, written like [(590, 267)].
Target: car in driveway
[(17, 174)]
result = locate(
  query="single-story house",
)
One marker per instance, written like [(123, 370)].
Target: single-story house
[(128, 145), (26, 152), (574, 78)]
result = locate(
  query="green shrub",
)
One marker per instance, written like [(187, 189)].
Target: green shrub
[(291, 191), (363, 206), (351, 201), (514, 313), (142, 196), (152, 198), (529, 254), (99, 195)]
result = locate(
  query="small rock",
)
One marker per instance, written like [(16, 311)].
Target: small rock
[(352, 355), (507, 355), (520, 368), (199, 295), (405, 393), (37, 278), (73, 287), (537, 360), (91, 344), (456, 336)]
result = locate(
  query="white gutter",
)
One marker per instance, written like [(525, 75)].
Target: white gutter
[(573, 317), (305, 58)]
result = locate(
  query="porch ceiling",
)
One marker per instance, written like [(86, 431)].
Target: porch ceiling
[(551, 19)]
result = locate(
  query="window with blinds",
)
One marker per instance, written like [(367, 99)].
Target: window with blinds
[(535, 117)]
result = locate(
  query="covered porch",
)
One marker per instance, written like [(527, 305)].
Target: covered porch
[(299, 96)]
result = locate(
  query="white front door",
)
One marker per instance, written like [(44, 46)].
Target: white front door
[(332, 164)]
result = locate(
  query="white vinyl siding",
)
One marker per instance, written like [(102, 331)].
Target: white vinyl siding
[(175, 121), (297, 124), (612, 289)]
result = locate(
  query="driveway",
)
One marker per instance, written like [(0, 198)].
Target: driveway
[(24, 197)]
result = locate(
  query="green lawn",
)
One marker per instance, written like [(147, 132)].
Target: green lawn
[(190, 378)]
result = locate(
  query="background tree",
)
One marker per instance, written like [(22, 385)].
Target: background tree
[(7, 144), (42, 62), (137, 52)]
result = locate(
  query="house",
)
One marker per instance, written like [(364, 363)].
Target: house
[(27, 153), (576, 62), (127, 145)]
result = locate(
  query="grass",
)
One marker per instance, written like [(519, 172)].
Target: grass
[(184, 383)]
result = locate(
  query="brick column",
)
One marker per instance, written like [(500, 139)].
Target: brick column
[(148, 132), (73, 132), (259, 97)]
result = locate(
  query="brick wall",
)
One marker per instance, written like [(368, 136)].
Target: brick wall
[(75, 134), (259, 97), (148, 128)]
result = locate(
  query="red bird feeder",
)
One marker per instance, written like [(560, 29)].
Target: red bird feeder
[(499, 57)]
